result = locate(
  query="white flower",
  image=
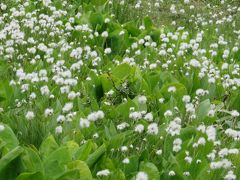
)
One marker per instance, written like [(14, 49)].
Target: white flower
[(142, 99), (84, 123), (3, 6), (168, 113), (104, 34), (141, 176), (186, 99), (230, 176), (211, 113), (67, 107), (211, 133), (61, 118), (201, 92), (104, 172), (201, 128), (46, 2), (152, 128), (44, 90), (172, 89), (96, 135), (107, 51), (94, 116), (174, 127), (186, 173), (177, 144), (188, 159), (124, 148), (58, 130), (72, 95), (201, 141), (135, 115), (126, 161), (195, 63), (48, 112), (30, 115), (148, 117), (122, 126), (161, 100), (234, 113), (171, 173), (1, 127), (159, 152), (107, 20), (139, 128)]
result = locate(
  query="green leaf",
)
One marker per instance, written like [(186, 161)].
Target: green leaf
[(150, 169), (98, 2), (31, 161), (187, 133), (92, 159), (31, 176), (53, 170), (96, 19), (106, 83), (84, 150), (122, 71), (48, 146), (69, 175), (132, 166), (167, 148), (203, 109), (8, 136), (132, 29), (72, 147), (62, 155), (10, 156), (85, 173), (118, 140), (123, 109), (117, 175), (147, 22)]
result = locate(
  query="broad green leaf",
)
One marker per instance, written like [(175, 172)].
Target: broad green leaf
[(150, 169), (132, 29), (132, 166), (72, 147), (85, 173), (69, 175), (48, 146), (117, 175), (147, 22), (84, 150), (10, 156), (203, 109), (31, 176), (62, 155), (92, 159), (31, 161), (122, 71), (53, 170), (8, 136), (96, 19), (106, 83)]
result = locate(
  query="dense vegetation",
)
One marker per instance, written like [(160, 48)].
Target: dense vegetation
[(119, 89)]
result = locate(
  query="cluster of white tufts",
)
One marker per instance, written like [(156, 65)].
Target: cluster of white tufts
[(94, 116), (174, 127), (141, 176), (104, 172), (177, 145)]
